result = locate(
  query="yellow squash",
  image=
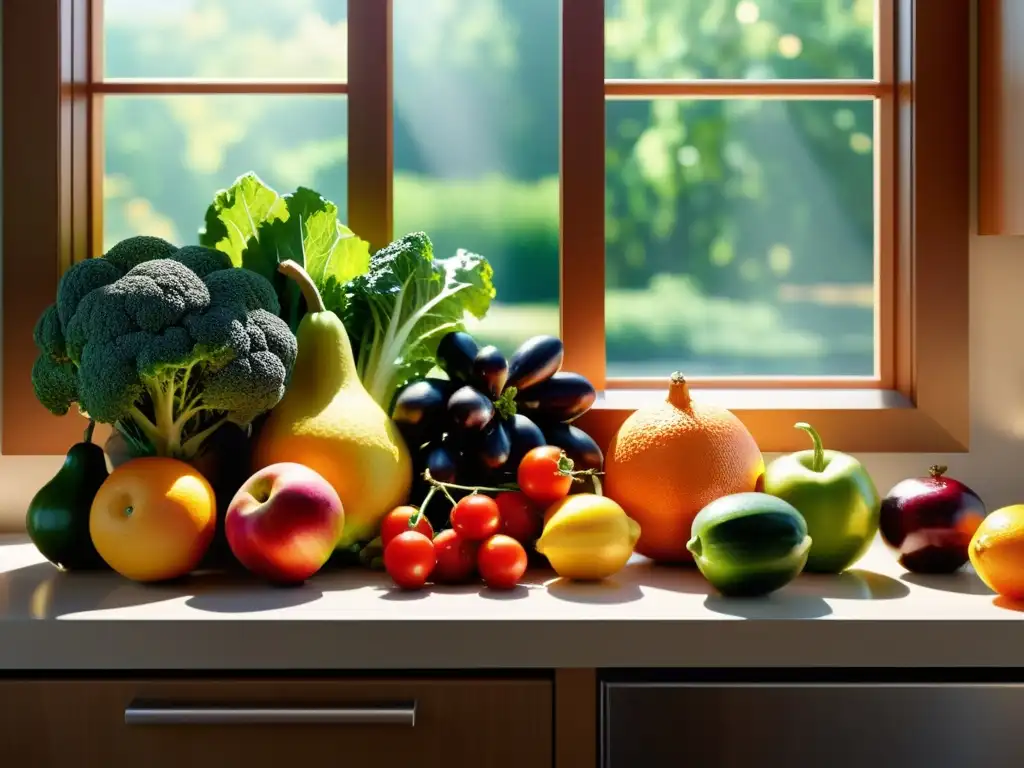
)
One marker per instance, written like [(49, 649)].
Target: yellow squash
[(328, 421)]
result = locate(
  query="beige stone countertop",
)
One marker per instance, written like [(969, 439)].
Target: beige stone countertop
[(875, 615)]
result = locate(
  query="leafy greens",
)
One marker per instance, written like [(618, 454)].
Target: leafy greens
[(396, 305), (258, 229), (398, 312)]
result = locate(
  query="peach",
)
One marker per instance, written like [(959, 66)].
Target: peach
[(284, 522)]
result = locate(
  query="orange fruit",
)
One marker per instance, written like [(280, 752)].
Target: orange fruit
[(997, 551), (153, 519), (669, 461)]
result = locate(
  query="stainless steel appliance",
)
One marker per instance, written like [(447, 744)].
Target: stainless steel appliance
[(811, 725)]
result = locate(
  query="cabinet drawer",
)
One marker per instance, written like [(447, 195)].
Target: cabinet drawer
[(256, 723), (839, 726)]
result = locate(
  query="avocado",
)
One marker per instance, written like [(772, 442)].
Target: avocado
[(58, 515)]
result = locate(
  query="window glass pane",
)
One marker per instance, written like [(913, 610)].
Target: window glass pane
[(476, 146), (166, 156), (739, 39), (226, 39), (740, 238)]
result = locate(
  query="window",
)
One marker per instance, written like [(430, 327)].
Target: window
[(769, 195)]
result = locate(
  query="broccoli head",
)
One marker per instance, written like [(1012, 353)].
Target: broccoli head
[(165, 344), (48, 335), (56, 384), (133, 251)]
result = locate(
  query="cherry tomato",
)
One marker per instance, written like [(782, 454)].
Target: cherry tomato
[(409, 559), (501, 561), (520, 519), (539, 477), (476, 517), (456, 558), (397, 521)]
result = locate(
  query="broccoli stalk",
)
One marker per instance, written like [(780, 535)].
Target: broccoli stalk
[(178, 415), (165, 344)]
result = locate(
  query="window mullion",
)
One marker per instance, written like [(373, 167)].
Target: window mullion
[(94, 147), (582, 189), (370, 108), (887, 260)]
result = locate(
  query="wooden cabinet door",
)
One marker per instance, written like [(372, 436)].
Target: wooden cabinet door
[(275, 723)]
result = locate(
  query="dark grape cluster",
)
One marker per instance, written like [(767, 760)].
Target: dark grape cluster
[(474, 427)]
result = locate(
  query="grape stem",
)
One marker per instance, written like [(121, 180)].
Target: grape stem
[(565, 469), (434, 483)]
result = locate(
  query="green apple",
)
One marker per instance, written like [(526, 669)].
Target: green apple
[(836, 496)]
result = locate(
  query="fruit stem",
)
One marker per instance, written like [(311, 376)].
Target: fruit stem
[(566, 469), (678, 390), (437, 485), (474, 488), (292, 269), (937, 470), (88, 431), (505, 405), (818, 463), (414, 520)]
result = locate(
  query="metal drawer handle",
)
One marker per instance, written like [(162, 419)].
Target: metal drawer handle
[(154, 713)]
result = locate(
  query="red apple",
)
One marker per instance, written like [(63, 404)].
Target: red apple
[(284, 522)]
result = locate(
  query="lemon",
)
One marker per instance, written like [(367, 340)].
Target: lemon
[(587, 537)]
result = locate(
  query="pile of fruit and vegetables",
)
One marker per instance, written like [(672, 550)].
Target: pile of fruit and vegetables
[(280, 399)]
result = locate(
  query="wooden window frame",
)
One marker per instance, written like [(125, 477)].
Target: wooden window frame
[(52, 180)]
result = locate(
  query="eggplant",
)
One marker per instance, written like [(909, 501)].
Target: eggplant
[(442, 463), (413, 435), (455, 355), (525, 436), (490, 371), (420, 407), (456, 441), (536, 359), (563, 397), (470, 409), (577, 444), (495, 445)]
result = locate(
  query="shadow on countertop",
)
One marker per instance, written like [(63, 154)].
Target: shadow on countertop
[(610, 591), (962, 582), (782, 605), (806, 597), (240, 594), (854, 584), (683, 577), (1008, 603), (41, 591)]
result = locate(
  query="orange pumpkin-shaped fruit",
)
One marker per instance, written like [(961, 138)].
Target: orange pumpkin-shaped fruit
[(669, 461)]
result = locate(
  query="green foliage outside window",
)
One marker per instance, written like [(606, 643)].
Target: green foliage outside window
[(739, 233)]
